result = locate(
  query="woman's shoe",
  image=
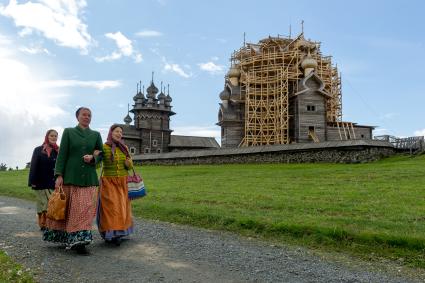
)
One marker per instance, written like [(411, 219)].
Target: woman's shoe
[(82, 250), (117, 241)]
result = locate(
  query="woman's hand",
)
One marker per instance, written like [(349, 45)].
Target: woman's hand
[(127, 162), (96, 153), (59, 181), (88, 158)]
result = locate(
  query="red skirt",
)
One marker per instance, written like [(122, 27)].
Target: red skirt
[(80, 210)]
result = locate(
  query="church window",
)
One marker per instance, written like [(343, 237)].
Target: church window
[(147, 150), (132, 150), (155, 143), (311, 108)]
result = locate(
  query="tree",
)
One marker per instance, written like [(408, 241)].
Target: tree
[(3, 167)]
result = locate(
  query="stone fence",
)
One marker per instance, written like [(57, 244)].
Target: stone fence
[(351, 151)]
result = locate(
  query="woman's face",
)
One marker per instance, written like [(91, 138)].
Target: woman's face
[(52, 137), (84, 117), (117, 134)]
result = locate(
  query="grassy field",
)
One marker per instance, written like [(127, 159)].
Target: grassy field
[(374, 210), (13, 272)]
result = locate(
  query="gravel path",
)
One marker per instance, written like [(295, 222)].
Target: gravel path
[(162, 252)]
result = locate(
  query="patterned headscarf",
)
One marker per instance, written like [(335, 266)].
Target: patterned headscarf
[(47, 146), (113, 144)]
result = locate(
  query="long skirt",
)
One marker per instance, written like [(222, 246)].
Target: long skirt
[(42, 198), (80, 212), (114, 219)]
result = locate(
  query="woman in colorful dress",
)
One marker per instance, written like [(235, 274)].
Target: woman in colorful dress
[(114, 217), (42, 177), (76, 173)]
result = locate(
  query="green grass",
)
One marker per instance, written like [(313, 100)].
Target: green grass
[(371, 210), (12, 272)]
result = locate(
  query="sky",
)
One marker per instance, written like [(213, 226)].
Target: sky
[(57, 55)]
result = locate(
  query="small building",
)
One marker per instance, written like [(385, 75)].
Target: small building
[(149, 132)]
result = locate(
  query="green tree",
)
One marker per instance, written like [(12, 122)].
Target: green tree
[(3, 167)]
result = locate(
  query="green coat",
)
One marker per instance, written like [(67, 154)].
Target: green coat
[(75, 143)]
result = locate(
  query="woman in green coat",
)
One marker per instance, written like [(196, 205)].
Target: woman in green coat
[(75, 171)]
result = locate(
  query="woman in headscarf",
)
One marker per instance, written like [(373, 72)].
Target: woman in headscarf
[(42, 177), (76, 173), (114, 217)]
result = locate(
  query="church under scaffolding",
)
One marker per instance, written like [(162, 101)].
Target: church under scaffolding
[(280, 91)]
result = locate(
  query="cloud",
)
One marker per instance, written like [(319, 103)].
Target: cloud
[(30, 104), (207, 131), (24, 32), (27, 110), (148, 33), (175, 68), (125, 48), (34, 50), (138, 58), (100, 85), (56, 20), (211, 68), (123, 43), (112, 57), (420, 132)]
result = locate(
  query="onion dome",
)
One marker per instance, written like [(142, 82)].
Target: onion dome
[(152, 91), (168, 100), (234, 72), (139, 94), (308, 62), (127, 119), (225, 94), (162, 97)]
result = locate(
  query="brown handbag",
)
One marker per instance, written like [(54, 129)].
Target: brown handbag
[(56, 206)]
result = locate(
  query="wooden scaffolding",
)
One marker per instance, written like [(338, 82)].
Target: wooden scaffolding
[(270, 71)]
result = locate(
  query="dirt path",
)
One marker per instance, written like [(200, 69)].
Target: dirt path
[(162, 252)]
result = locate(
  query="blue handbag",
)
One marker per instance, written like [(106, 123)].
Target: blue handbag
[(136, 186)]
